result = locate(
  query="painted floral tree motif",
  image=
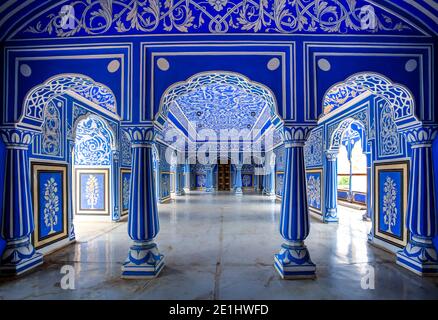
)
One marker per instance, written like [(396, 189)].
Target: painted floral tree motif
[(246, 181), (314, 191), (201, 180), (92, 191), (389, 204), (125, 192), (51, 208)]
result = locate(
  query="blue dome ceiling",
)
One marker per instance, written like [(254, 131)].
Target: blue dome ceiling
[(221, 106)]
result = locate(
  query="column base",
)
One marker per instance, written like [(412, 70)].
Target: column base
[(209, 189), (331, 216), (19, 257), (238, 191), (180, 193), (293, 262), (144, 261), (419, 256)]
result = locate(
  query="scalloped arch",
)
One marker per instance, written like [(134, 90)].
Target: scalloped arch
[(38, 97), (398, 96), (222, 77)]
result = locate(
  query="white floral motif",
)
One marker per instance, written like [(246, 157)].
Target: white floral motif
[(246, 181), (389, 137), (51, 137), (389, 205), (279, 16), (92, 191), (218, 4), (51, 206), (93, 143), (125, 192), (314, 191)]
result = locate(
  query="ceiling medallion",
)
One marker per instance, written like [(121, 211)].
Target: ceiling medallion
[(273, 64), (324, 64), (25, 70), (411, 65), (163, 64), (113, 66)]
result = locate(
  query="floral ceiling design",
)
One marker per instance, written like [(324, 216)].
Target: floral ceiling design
[(88, 17)]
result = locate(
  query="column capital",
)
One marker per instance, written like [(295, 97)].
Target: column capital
[(331, 155), (295, 135), (421, 136), (140, 136), (16, 138)]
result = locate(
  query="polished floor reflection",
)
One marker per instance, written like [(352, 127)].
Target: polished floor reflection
[(220, 246)]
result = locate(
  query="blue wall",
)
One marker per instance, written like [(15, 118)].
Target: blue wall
[(2, 173), (435, 164)]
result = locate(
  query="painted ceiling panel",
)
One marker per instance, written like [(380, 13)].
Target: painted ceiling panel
[(221, 106)]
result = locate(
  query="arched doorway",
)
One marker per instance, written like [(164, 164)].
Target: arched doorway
[(45, 124)]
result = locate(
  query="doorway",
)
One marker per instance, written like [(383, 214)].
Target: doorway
[(223, 174)]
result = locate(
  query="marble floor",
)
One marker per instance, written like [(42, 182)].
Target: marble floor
[(219, 246)]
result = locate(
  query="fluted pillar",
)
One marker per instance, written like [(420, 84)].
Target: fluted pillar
[(179, 180), (293, 261), (17, 222), (264, 180), (144, 260), (331, 187), (70, 148), (420, 255), (209, 178), (368, 214), (115, 190), (271, 182), (238, 180)]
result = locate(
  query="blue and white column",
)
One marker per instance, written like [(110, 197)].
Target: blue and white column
[(293, 261), (115, 169), (209, 178), (256, 182), (238, 181), (331, 187), (368, 214), (17, 222), (144, 260), (271, 181), (264, 180), (179, 180), (420, 255), (70, 148)]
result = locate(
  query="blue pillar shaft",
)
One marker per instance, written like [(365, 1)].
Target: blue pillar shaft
[(17, 222), (293, 261), (294, 223), (179, 180), (209, 179), (331, 186), (238, 181), (144, 261), (420, 255), (143, 224)]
